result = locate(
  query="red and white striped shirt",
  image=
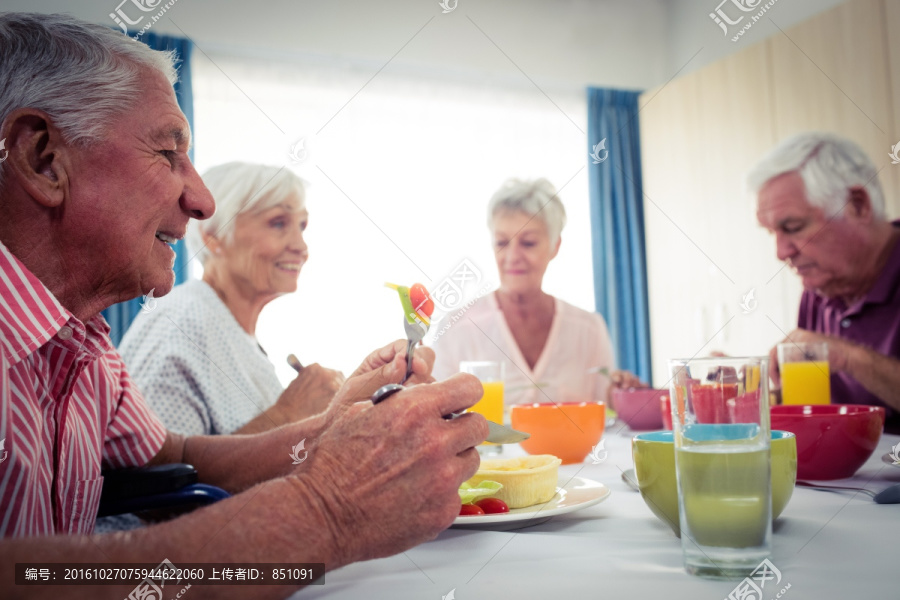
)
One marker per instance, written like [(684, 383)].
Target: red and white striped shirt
[(67, 409)]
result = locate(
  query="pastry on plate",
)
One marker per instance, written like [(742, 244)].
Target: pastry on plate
[(527, 480)]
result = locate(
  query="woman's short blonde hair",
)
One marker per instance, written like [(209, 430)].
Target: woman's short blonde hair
[(239, 188), (536, 198)]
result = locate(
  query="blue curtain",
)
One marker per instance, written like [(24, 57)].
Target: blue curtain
[(121, 315), (617, 225)]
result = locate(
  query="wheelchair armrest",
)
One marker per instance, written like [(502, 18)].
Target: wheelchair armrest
[(160, 487), (134, 482), (156, 506)]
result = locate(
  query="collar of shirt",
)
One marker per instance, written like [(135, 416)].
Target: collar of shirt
[(34, 316), (889, 280)]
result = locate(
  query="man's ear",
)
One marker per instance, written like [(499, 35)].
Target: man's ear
[(36, 159), (859, 205)]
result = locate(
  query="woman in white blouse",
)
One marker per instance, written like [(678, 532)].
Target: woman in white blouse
[(195, 355), (552, 350)]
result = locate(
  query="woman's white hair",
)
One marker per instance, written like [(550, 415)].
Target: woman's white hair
[(239, 188), (536, 198), (828, 164), (82, 75)]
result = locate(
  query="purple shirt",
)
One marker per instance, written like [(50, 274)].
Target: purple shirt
[(873, 322)]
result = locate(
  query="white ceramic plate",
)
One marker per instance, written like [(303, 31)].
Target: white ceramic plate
[(573, 494)]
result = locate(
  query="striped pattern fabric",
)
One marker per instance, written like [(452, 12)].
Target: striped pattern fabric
[(67, 410)]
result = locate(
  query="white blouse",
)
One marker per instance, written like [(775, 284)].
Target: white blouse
[(197, 368), (578, 341)]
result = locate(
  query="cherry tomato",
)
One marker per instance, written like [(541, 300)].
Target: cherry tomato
[(421, 300), (471, 509), (492, 506)]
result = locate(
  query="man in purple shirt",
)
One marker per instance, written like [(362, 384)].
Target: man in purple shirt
[(819, 194)]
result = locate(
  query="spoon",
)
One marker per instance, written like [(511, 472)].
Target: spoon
[(889, 495), (629, 477)]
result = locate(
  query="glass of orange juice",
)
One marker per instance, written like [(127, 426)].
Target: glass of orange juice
[(490, 406), (805, 377)]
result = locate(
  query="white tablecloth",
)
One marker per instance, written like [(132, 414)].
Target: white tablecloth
[(826, 545)]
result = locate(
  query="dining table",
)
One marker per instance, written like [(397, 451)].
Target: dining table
[(826, 544)]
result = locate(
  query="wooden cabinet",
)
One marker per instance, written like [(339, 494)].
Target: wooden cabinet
[(701, 133), (832, 72), (890, 175)]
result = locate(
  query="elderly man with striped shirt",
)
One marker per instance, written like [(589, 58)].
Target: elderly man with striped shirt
[(95, 186)]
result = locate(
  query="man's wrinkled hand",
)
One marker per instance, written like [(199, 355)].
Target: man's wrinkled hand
[(374, 461), (388, 365)]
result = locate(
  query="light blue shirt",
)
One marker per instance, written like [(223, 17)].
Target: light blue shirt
[(197, 368)]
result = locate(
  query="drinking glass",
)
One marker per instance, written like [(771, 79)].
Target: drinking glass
[(490, 406), (805, 377), (720, 414)]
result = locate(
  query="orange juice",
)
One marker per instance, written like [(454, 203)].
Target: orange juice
[(751, 378), (491, 404), (805, 383)]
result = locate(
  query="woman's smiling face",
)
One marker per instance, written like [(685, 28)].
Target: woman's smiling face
[(267, 249)]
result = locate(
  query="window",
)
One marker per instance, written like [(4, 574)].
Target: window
[(401, 170)]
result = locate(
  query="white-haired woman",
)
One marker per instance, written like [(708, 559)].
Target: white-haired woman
[(552, 350), (195, 355)]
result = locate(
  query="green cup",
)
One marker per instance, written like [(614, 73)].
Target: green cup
[(654, 466)]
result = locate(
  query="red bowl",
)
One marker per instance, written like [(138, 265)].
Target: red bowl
[(833, 440), (639, 408)]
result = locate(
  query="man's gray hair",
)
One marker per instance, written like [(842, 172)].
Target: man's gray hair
[(536, 198), (82, 75), (239, 188), (828, 164)]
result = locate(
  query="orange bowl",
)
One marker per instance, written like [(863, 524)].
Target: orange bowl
[(568, 430)]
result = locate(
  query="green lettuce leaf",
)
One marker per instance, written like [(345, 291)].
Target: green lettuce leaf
[(469, 493)]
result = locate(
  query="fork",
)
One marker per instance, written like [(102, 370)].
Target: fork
[(414, 333)]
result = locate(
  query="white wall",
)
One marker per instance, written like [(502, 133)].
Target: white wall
[(635, 44), (694, 34), (557, 43)]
